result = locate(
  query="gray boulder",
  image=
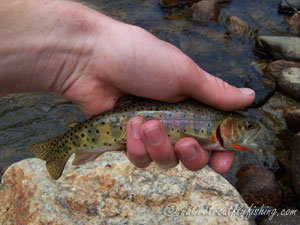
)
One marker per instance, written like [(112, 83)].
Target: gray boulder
[(280, 47), (289, 81)]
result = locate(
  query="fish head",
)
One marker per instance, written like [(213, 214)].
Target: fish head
[(239, 133)]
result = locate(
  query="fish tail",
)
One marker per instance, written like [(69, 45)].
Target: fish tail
[(54, 156)]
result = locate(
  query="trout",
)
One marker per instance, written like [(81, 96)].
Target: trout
[(213, 129)]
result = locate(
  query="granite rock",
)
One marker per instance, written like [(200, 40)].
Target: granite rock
[(112, 191)]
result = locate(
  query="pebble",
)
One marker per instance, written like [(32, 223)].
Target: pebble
[(258, 186)]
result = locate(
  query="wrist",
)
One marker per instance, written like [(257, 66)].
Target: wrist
[(44, 43)]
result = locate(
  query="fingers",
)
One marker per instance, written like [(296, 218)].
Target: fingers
[(148, 141), (216, 92), (136, 150), (158, 144), (221, 160), (191, 155)]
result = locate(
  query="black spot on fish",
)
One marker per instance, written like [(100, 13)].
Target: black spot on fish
[(89, 131), (103, 123), (76, 137), (93, 139), (84, 145), (85, 126), (121, 128), (107, 132), (97, 131), (82, 135), (70, 148), (115, 139)]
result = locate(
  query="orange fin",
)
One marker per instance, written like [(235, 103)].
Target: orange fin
[(85, 157), (241, 148), (214, 139)]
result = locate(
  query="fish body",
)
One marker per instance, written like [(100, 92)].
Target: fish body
[(213, 129)]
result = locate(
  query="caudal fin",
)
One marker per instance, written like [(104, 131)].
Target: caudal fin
[(54, 155)]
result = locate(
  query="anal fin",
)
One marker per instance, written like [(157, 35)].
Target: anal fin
[(85, 157)]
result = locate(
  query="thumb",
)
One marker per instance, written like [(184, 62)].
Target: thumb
[(216, 92)]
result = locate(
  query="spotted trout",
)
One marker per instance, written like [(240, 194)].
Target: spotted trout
[(213, 129)]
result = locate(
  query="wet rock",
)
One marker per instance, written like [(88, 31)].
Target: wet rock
[(112, 191), (263, 92), (172, 3), (236, 26), (258, 186), (290, 217), (280, 47), (289, 7), (295, 165), (205, 11), (293, 120), (275, 68), (289, 81)]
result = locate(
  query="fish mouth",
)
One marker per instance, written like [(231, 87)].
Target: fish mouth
[(219, 137)]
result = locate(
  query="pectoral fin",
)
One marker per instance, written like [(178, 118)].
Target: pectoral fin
[(85, 157)]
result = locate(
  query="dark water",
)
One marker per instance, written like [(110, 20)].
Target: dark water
[(25, 119)]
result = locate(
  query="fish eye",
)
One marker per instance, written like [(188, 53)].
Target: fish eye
[(250, 125)]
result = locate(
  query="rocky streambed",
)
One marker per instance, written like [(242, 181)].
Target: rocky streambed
[(247, 43)]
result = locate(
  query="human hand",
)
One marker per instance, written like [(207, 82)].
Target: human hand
[(142, 65), (93, 60)]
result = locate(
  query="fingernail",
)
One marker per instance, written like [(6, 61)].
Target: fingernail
[(187, 153), (135, 126), (153, 136), (247, 91)]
